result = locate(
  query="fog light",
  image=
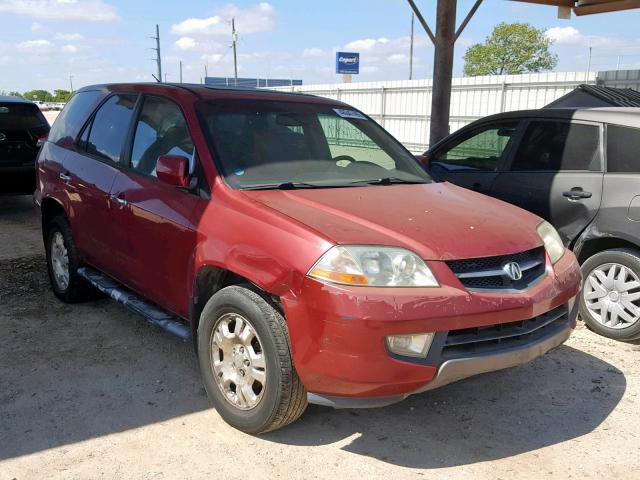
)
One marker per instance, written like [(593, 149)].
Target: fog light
[(416, 345)]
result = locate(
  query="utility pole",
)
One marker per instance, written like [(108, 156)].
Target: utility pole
[(413, 17), (588, 66), (158, 59), (206, 73), (180, 71), (234, 39), (71, 82)]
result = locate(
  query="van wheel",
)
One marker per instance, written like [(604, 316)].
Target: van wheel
[(245, 361), (610, 299), (63, 262)]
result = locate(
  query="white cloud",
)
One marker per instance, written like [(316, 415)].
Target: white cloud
[(35, 46), (366, 44), (35, 27), (71, 49), (571, 36), (78, 10), (69, 37), (313, 53), (185, 43), (255, 19), (398, 58)]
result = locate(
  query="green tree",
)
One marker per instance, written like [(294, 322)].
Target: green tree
[(512, 48), (41, 95), (61, 96)]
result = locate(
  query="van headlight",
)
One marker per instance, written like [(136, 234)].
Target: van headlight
[(373, 266), (552, 241)]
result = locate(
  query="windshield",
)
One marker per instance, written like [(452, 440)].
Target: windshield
[(20, 116), (273, 144)]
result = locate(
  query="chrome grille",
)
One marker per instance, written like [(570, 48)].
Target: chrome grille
[(487, 273)]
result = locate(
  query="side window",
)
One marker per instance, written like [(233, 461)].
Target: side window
[(161, 130), (478, 150), (623, 147), (73, 116), (110, 127), (554, 146), (345, 139)]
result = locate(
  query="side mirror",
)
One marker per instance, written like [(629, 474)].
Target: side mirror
[(173, 170), (424, 160)]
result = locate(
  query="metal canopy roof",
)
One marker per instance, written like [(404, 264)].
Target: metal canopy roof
[(589, 7)]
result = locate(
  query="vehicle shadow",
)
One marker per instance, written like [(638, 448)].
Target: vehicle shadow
[(70, 373), (557, 398)]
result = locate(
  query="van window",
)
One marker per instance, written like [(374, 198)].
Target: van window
[(74, 115), (481, 149), (110, 127), (549, 145), (161, 130), (623, 149)]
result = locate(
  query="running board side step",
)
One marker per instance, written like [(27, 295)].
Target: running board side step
[(152, 313)]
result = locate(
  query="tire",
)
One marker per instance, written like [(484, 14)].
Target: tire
[(624, 262), (281, 398), (75, 289)]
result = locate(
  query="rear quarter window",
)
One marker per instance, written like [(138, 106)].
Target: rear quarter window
[(623, 149), (73, 116)]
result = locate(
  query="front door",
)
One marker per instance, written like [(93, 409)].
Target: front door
[(556, 172), (159, 222), (472, 157)]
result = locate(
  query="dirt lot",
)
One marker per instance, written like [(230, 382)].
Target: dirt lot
[(90, 391)]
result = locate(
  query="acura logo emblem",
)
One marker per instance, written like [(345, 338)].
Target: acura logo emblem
[(513, 271), (3, 137)]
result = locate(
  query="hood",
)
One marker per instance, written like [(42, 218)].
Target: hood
[(438, 221)]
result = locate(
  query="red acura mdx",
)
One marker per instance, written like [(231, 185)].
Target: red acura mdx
[(302, 248)]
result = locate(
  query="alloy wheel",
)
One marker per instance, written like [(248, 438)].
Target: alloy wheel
[(238, 361), (60, 261)]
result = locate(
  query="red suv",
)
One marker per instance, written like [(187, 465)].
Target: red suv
[(301, 247)]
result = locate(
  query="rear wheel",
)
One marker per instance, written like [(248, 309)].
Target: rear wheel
[(245, 361), (63, 262), (610, 299)]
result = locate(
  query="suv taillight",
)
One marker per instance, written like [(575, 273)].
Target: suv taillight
[(41, 139)]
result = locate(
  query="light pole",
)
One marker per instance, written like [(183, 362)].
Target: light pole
[(71, 82)]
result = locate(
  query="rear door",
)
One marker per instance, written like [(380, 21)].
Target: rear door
[(89, 171), (556, 172), (21, 126), (473, 157), (158, 222)]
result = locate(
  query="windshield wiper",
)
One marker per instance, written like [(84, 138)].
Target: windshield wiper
[(391, 181), (288, 186)]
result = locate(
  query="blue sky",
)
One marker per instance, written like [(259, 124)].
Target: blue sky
[(42, 42)]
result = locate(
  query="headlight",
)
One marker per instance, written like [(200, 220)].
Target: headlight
[(373, 266), (552, 241)]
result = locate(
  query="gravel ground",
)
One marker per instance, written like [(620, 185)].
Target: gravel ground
[(90, 391)]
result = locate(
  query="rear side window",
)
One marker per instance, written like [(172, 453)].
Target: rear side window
[(20, 116), (623, 149), (110, 127), (73, 116), (555, 146)]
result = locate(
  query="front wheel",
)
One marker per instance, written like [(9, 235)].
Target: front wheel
[(610, 299), (245, 361)]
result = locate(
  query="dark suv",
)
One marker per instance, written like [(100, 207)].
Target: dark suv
[(301, 247), (22, 130), (580, 170)]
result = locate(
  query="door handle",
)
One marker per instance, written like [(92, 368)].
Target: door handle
[(120, 201), (577, 194), (65, 178)]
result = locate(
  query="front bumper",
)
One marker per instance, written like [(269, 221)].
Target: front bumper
[(338, 333)]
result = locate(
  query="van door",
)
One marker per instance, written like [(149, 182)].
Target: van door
[(89, 171), (556, 172)]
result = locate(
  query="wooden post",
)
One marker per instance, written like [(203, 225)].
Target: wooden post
[(442, 70)]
